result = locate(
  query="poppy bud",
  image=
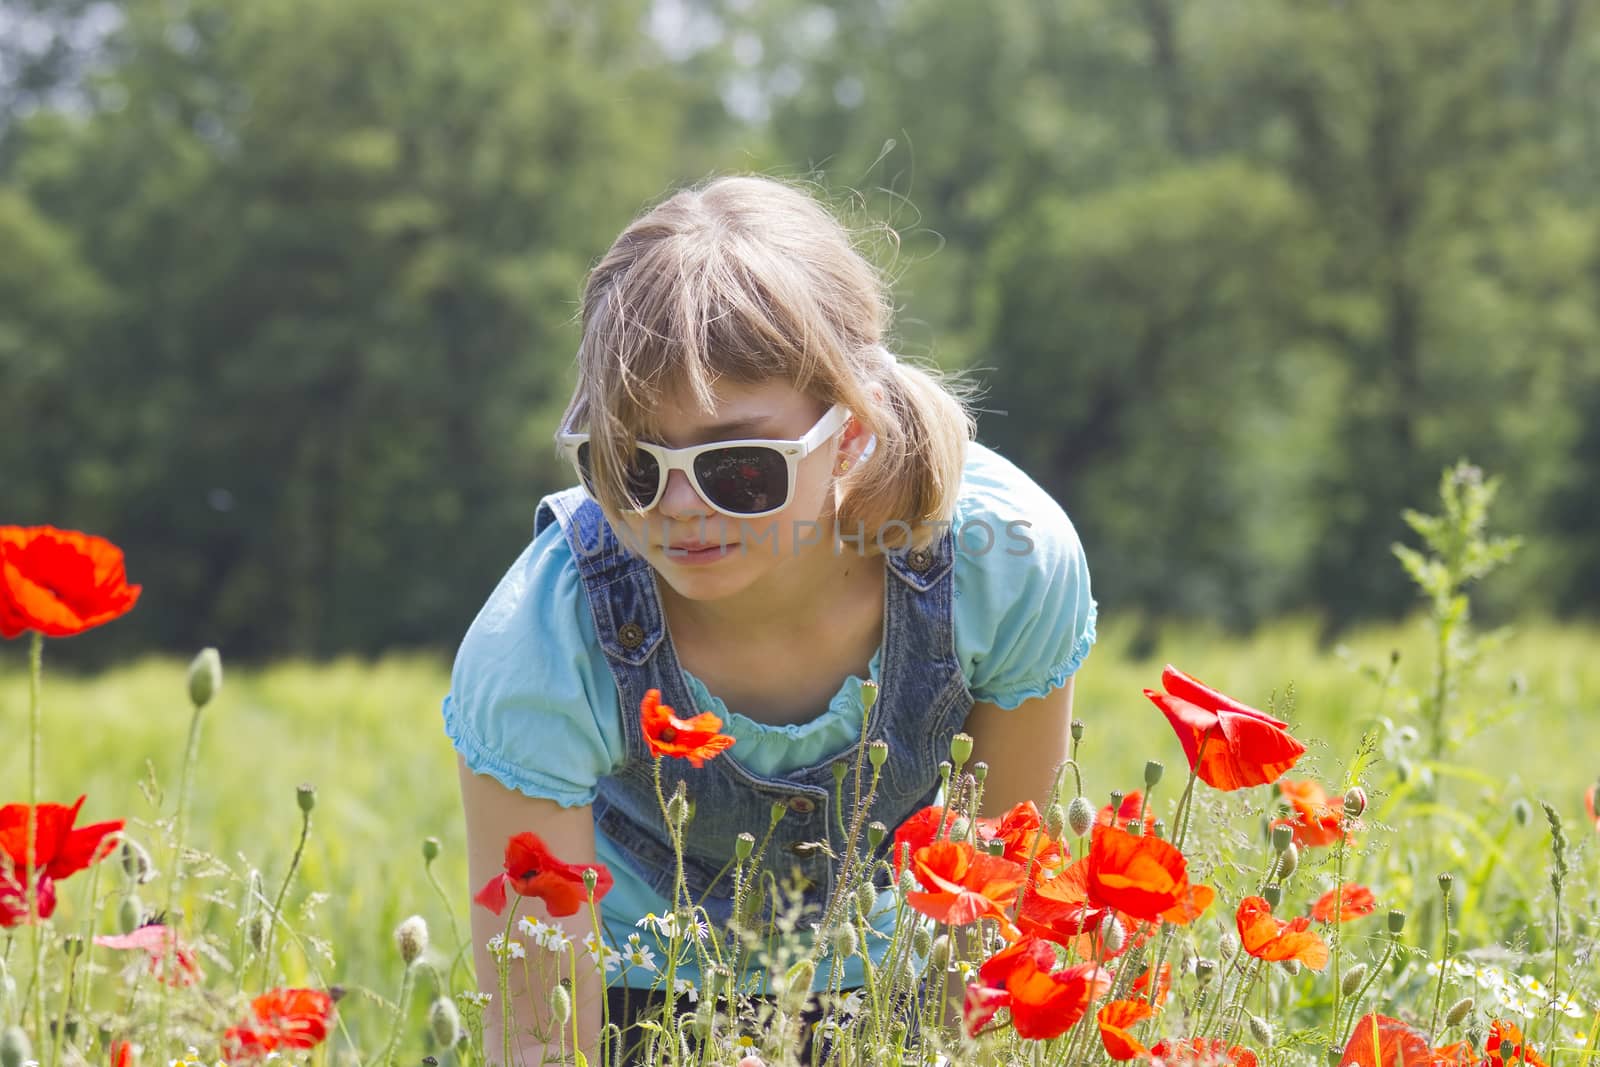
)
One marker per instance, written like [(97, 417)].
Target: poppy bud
[(939, 954), (1080, 815), (136, 861), (878, 753), (678, 808), (411, 938), (866, 897), (921, 941), (1288, 860), (844, 941), (797, 987), (1290, 967), (591, 878), (444, 1021), (1112, 935), (256, 931), (72, 946), (876, 832), (1397, 921), (743, 846), (1152, 773), (205, 677), (1351, 982), (980, 771), (869, 695), (1204, 970), (1272, 894), (1522, 811), (130, 913), (961, 748), (1355, 802), (1259, 1029), (1055, 819), (840, 768), (560, 1004), (15, 1048), (1282, 837), (305, 795), (1077, 729), (430, 849), (1458, 1011)]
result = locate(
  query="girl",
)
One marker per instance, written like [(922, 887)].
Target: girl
[(772, 509)]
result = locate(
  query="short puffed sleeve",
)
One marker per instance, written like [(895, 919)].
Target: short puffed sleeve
[(1024, 614), (531, 702)]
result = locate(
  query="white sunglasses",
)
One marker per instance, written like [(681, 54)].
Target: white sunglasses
[(744, 479)]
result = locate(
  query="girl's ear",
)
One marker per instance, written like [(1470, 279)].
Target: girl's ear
[(856, 438)]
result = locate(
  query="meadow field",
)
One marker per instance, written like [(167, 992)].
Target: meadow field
[(367, 735)]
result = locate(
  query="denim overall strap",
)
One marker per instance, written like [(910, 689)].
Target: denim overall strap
[(923, 702)]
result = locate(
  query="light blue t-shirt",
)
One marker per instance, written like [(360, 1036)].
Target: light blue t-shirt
[(533, 703)]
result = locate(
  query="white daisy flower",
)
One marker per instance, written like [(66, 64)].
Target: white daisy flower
[(687, 989), (1460, 968), (1565, 1005), (1515, 1004), (665, 925), (1533, 986), (635, 954), (604, 956), (503, 950), (853, 1002)]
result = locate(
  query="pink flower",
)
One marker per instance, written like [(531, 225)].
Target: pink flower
[(156, 939)]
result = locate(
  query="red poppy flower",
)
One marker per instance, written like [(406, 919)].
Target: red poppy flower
[(1023, 833), (1229, 746), (1501, 1031), (1043, 1004), (1126, 812), (1200, 1052), (1163, 984), (120, 1054), (59, 852), (964, 885), (532, 871), (919, 830), (154, 939), (1116, 1021), (1589, 805), (1318, 820), (1271, 939), (59, 582), (1379, 1041), (696, 739), (283, 1019), (1341, 904), (1143, 877)]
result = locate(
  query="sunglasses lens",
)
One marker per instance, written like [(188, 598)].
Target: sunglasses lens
[(745, 481), (643, 476)]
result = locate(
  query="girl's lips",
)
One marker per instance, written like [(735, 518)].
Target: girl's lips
[(697, 552)]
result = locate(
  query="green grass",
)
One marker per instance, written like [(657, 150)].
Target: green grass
[(368, 736)]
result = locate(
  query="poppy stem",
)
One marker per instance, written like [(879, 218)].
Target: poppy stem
[(31, 853), (1341, 1036), (1337, 934), (277, 904), (180, 829)]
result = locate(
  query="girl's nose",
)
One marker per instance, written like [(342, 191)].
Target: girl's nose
[(679, 500)]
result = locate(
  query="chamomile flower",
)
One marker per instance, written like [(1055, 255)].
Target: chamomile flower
[(686, 989), (604, 956), (504, 950), (635, 954), (1533, 987), (1564, 1004), (665, 925)]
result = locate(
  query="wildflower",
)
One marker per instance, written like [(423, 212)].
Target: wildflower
[(504, 950), (411, 938), (532, 871), (59, 851), (1022, 831), (1343, 903), (1200, 1052), (1589, 804), (60, 582), (1043, 1004), (604, 957), (1533, 986), (156, 939), (1521, 1055), (1163, 983), (1318, 821), (1271, 939), (1120, 815), (120, 1054), (920, 829), (695, 739), (962, 884), (1563, 1004), (636, 954), (1229, 745), (1116, 1021), (684, 988), (283, 1019), (1142, 877)]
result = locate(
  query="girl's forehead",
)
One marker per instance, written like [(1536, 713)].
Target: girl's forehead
[(738, 409)]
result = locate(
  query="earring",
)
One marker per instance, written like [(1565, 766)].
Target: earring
[(844, 465)]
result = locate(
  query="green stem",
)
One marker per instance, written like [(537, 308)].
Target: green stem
[(455, 930), (502, 966), (399, 1017), (180, 829), (1337, 935), (1438, 990), (1342, 1035), (277, 904), (31, 836)]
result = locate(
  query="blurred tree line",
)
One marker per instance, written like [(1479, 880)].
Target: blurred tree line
[(287, 288)]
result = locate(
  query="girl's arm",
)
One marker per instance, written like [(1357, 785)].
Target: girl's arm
[(493, 814), (1022, 747)]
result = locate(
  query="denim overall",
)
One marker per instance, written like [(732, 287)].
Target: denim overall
[(922, 703)]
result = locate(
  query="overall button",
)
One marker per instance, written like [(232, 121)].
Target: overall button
[(919, 559), (802, 805), (630, 635)]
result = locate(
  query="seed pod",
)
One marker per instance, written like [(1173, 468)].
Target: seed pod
[(1288, 860), (1282, 837), (1458, 1011), (560, 1004), (1080, 815), (743, 846), (411, 938), (1355, 802), (15, 1048), (1272, 894), (1204, 970), (876, 832), (130, 913), (205, 677), (980, 771), (430, 849), (591, 878), (869, 695), (960, 748), (135, 861), (1351, 982), (1077, 729), (878, 753), (1397, 921), (1152, 773), (1157, 828), (305, 795), (444, 1022)]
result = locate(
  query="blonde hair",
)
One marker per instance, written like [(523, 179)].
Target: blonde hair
[(751, 279)]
